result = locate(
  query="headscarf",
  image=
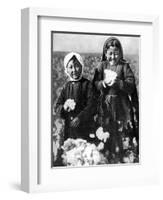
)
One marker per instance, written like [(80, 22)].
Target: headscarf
[(68, 57), (108, 43)]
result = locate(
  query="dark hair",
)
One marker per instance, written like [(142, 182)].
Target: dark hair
[(112, 42)]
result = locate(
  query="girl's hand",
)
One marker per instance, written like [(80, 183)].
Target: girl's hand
[(115, 82), (110, 83), (107, 82), (75, 122)]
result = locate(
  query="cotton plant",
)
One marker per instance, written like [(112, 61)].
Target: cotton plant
[(101, 136), (130, 150), (127, 153), (129, 143), (57, 137), (79, 152), (129, 157)]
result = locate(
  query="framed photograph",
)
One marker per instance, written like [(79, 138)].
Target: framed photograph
[(87, 115)]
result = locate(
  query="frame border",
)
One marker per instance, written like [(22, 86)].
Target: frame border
[(30, 79)]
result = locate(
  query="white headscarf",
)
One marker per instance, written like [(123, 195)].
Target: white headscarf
[(67, 58)]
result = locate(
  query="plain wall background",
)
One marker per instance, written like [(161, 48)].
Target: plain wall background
[(10, 97)]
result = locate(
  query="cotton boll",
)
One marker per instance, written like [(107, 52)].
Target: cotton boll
[(87, 152), (99, 130), (100, 146), (126, 143), (92, 135), (131, 157), (109, 76), (106, 135), (68, 144), (64, 158), (93, 146), (65, 106), (86, 163), (70, 103), (99, 133), (79, 152), (96, 157), (126, 160), (81, 148), (100, 136), (134, 142), (71, 157), (79, 163)]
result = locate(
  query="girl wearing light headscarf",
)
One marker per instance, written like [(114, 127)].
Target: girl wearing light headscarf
[(75, 101)]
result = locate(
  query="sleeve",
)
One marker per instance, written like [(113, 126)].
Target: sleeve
[(127, 85), (98, 78), (90, 107), (59, 105)]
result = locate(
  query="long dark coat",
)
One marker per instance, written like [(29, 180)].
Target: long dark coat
[(81, 92), (117, 105)]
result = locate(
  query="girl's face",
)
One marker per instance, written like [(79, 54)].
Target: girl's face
[(112, 55), (74, 69)]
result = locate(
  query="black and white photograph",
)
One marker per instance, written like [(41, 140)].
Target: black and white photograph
[(94, 99)]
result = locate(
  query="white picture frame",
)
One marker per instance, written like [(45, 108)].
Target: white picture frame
[(36, 173)]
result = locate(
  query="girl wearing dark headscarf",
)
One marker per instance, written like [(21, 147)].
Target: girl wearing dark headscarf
[(114, 86)]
